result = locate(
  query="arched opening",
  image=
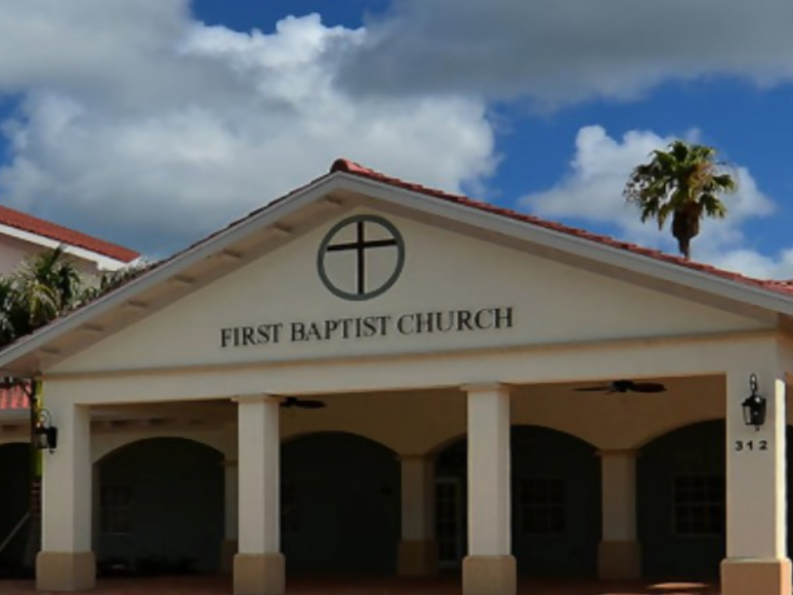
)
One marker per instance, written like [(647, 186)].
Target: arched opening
[(340, 504), (15, 463), (681, 502), (160, 508), (556, 511)]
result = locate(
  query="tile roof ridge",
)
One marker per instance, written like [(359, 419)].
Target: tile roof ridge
[(354, 168)]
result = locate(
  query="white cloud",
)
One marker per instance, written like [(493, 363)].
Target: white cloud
[(150, 128), (591, 194), (569, 50), (141, 124)]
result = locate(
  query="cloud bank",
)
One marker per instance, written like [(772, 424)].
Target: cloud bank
[(137, 122), (141, 124), (569, 50)]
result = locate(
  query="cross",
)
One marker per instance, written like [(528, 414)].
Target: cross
[(360, 245)]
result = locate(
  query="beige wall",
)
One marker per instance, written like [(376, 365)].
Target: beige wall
[(420, 422), (553, 303), (12, 251)]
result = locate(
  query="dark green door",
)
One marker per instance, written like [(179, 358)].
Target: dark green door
[(340, 505), (681, 502)]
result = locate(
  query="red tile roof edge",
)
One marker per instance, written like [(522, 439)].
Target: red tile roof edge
[(23, 221), (350, 167), (13, 399)]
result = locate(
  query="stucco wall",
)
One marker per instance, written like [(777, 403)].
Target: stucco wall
[(443, 271)]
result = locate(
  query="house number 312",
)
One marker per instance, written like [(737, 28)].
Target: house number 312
[(745, 445)]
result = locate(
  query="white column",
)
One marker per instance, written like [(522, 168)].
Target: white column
[(489, 568), (619, 552), (418, 550), (66, 562), (756, 561), (259, 565)]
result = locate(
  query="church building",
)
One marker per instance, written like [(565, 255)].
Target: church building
[(368, 376)]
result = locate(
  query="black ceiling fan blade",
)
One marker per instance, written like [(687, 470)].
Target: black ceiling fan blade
[(647, 387), (307, 404), (302, 403), (624, 385)]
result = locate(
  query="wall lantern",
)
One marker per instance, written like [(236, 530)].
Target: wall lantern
[(46, 434), (754, 406)]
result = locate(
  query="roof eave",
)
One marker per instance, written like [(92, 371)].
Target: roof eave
[(205, 249), (578, 246)]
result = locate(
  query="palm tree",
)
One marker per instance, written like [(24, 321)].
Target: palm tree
[(48, 285), (683, 181)]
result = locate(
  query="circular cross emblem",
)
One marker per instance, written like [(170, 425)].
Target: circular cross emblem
[(361, 257)]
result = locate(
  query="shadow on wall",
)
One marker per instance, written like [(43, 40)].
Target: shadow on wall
[(160, 508), (340, 504), (556, 495), (681, 502), (14, 504)]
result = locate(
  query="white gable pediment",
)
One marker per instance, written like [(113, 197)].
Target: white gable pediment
[(445, 291)]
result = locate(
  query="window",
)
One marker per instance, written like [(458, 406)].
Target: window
[(449, 521), (542, 506), (115, 508), (290, 510), (699, 504)]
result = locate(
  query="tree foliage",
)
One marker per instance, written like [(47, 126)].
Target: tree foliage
[(684, 182), (47, 286)]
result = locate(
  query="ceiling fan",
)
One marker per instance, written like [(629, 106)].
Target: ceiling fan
[(625, 386), (289, 402)]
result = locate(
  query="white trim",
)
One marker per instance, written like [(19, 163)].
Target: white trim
[(578, 246), (102, 261), (176, 265)]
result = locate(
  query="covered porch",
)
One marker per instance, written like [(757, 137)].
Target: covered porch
[(548, 480)]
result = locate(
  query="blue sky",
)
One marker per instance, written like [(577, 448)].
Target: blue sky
[(119, 119)]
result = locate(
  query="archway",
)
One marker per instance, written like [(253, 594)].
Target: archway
[(556, 511), (160, 508), (681, 502), (340, 505), (15, 463)]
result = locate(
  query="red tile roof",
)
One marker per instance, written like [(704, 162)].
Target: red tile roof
[(350, 167), (25, 222), (13, 399)]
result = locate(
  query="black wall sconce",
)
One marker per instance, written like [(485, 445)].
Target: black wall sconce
[(46, 434), (754, 406)]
